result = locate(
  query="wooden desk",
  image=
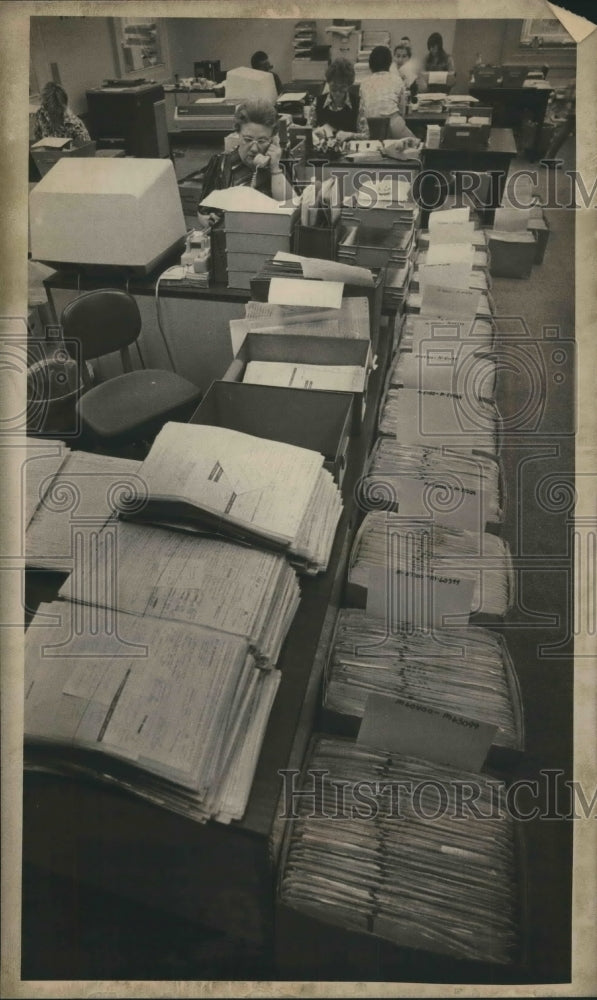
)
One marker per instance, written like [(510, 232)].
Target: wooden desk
[(221, 876), (511, 105)]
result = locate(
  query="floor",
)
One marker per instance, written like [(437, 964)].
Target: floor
[(69, 932)]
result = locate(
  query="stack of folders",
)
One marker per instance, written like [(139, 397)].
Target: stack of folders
[(262, 492), (336, 378), (414, 479), (441, 417), (445, 367), (44, 458), (255, 226), (349, 320), (75, 502), (457, 336), (462, 670), (444, 886), (480, 260), (171, 712), (175, 576), (394, 558)]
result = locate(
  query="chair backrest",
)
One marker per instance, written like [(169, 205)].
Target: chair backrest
[(378, 128), (101, 322)]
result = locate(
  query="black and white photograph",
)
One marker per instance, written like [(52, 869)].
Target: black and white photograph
[(299, 537)]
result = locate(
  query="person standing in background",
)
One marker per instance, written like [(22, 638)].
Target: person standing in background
[(55, 118), (260, 61)]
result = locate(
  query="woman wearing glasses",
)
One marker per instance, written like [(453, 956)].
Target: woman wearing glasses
[(256, 160)]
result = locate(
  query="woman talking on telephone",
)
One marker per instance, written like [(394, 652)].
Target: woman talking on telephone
[(256, 160)]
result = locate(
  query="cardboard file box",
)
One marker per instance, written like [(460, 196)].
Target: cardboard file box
[(256, 243), (512, 255), (539, 226), (465, 136), (487, 76), (260, 223), (307, 350), (499, 756), (317, 420)]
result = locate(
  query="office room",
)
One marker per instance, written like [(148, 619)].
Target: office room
[(304, 522)]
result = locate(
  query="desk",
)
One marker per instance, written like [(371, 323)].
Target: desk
[(195, 321), (222, 876), (512, 104)]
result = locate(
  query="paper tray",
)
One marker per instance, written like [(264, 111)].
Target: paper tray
[(316, 420), (306, 350)]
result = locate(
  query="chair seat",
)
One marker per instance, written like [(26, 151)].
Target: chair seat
[(130, 404)]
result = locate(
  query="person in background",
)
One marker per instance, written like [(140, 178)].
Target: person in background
[(256, 160), (437, 59), (54, 118), (564, 119), (260, 61), (339, 106), (383, 95), (405, 66)]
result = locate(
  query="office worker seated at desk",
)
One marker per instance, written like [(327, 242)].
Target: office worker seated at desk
[(383, 95), (260, 61), (339, 105), (256, 160), (54, 117), (407, 67)]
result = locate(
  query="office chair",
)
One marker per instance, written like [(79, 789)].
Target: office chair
[(133, 406), (378, 127)]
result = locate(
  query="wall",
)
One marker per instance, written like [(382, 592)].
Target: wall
[(82, 48), (498, 41), (234, 41)]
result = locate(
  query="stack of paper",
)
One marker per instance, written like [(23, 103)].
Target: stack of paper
[(458, 336), (446, 886), (336, 378), (421, 571), (460, 670), (79, 499), (247, 488), (171, 712), (45, 457), (176, 576), (249, 213), (417, 481), (441, 417)]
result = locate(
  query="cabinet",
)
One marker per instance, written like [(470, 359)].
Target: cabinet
[(131, 117)]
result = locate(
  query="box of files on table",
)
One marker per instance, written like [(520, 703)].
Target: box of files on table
[(332, 364), (317, 420)]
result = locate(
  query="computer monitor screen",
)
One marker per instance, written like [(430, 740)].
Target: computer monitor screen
[(245, 83), (102, 213)]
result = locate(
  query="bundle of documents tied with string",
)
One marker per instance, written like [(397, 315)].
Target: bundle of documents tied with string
[(169, 711), (219, 481), (387, 869), (425, 573), (465, 670)]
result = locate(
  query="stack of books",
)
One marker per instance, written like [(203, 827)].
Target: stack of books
[(219, 481), (445, 886)]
